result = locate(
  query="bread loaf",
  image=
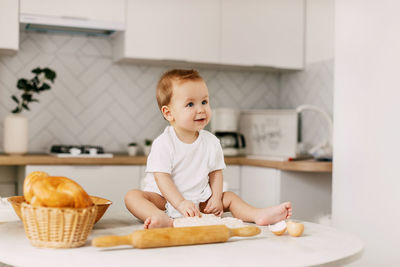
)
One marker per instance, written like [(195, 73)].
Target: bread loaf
[(42, 190)]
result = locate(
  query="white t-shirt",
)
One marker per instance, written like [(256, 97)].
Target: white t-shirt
[(188, 164)]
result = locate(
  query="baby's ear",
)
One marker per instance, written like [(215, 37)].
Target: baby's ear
[(167, 113)]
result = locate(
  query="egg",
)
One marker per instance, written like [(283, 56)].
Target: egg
[(278, 228), (294, 228)]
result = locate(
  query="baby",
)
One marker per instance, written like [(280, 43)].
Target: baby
[(184, 168)]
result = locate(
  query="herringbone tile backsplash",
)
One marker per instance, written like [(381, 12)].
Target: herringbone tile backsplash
[(95, 101)]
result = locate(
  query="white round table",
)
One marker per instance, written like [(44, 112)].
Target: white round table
[(319, 245)]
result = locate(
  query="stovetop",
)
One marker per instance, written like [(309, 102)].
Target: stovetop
[(79, 151)]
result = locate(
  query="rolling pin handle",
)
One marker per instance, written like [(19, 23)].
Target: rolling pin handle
[(110, 241), (245, 231)]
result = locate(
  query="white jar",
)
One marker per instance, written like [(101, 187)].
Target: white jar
[(15, 134)]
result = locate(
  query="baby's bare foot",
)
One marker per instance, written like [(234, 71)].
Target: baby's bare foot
[(157, 221), (274, 214)]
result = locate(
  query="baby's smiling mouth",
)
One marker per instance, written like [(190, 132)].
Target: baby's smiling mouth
[(200, 120)]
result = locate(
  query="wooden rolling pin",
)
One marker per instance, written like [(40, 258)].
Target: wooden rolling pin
[(167, 237)]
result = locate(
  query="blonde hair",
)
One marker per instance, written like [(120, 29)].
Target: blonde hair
[(166, 82)]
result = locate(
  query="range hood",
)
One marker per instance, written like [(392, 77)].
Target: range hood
[(71, 25)]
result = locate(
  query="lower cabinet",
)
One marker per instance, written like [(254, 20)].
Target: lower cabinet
[(232, 178), (309, 193), (260, 187), (110, 182)]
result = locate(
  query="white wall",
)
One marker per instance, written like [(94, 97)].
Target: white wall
[(366, 180), (319, 30)]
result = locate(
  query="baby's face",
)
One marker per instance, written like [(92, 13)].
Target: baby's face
[(190, 106)]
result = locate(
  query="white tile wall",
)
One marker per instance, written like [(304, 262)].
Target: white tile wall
[(313, 86), (96, 101)]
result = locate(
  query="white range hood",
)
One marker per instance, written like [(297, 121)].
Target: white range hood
[(89, 17), (69, 24)]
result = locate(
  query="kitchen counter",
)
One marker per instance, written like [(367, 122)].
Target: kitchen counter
[(319, 245), (43, 159)]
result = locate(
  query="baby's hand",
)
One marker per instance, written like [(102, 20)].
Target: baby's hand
[(214, 206), (188, 209)]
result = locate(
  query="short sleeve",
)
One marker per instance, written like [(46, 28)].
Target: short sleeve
[(217, 160), (160, 157)]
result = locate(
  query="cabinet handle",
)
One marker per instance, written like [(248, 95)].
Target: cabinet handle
[(74, 18)]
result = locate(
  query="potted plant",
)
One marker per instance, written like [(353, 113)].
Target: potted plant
[(132, 149), (147, 146), (15, 124)]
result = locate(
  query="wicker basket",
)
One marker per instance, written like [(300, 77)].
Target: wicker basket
[(101, 203), (57, 227)]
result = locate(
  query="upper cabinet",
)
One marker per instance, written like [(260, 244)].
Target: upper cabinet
[(263, 33), (9, 26), (95, 17), (171, 30), (266, 33), (97, 10)]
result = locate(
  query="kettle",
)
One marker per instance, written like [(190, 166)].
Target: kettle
[(231, 142)]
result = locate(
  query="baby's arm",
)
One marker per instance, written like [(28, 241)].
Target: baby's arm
[(171, 193), (214, 204)]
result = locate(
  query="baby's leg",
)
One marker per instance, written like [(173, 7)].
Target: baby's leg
[(148, 207), (241, 210)]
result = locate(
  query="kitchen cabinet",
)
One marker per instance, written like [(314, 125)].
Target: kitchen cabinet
[(263, 33), (110, 182), (232, 178), (170, 30), (309, 193), (96, 10), (266, 33), (9, 26)]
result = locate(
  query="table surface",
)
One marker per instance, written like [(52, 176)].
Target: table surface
[(319, 245)]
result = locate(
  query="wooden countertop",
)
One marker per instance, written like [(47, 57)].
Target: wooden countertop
[(123, 159)]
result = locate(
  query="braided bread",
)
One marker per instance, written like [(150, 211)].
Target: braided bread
[(42, 190)]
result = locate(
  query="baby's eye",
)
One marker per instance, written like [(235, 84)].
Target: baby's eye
[(204, 102), (190, 104)]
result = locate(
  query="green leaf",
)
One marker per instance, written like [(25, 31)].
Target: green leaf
[(27, 97), (37, 70), (25, 106), (16, 110), (49, 74), (22, 84), (44, 86), (15, 99)]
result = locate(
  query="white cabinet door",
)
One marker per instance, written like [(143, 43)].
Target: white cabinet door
[(263, 33), (9, 26), (97, 10), (232, 178), (110, 182), (260, 187), (170, 30)]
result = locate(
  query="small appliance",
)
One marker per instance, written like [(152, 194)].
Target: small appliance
[(224, 124), (231, 142), (276, 134)]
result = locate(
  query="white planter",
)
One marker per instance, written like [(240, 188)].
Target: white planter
[(132, 150), (15, 134), (146, 150)]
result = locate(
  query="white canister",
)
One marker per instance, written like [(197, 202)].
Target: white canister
[(225, 120), (15, 134)]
